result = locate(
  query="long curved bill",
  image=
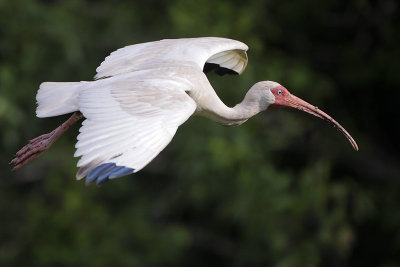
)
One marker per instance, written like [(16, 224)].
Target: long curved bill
[(300, 104)]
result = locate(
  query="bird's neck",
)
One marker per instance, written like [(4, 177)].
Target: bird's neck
[(234, 116)]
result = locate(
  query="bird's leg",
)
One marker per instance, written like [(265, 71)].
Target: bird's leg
[(40, 144)]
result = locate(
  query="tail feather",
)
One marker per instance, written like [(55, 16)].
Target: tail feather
[(57, 98)]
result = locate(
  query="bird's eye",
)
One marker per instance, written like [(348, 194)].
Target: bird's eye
[(279, 92)]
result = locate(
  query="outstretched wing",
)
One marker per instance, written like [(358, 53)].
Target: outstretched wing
[(216, 52), (130, 119)]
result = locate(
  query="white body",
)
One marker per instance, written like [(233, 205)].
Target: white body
[(146, 92)]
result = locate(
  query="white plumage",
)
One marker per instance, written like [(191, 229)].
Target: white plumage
[(55, 98), (143, 93), (175, 52), (128, 123)]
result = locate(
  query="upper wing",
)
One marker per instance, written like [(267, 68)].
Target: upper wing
[(226, 53), (129, 120)]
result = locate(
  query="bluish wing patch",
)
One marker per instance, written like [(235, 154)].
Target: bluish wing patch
[(107, 171), (122, 172), (99, 170)]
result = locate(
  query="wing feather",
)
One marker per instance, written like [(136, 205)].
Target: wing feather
[(128, 123), (175, 52), (133, 114)]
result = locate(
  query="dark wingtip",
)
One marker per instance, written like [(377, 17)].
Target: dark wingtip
[(99, 170), (107, 171)]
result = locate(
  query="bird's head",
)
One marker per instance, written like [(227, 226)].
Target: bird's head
[(282, 98)]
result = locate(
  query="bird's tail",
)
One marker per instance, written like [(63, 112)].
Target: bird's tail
[(57, 98)]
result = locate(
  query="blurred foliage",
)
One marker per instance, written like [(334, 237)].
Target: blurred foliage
[(281, 190)]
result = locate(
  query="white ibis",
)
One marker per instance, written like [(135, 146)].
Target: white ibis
[(142, 94)]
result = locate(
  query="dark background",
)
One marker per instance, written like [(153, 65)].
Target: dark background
[(284, 189)]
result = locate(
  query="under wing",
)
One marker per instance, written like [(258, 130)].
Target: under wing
[(130, 119), (203, 52)]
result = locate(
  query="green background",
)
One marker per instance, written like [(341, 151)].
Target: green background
[(284, 189)]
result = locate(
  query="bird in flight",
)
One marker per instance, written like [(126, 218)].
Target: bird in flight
[(140, 96)]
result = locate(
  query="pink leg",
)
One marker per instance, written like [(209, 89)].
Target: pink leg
[(40, 144)]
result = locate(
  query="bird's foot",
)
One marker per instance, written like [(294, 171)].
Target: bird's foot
[(33, 149), (40, 144)]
